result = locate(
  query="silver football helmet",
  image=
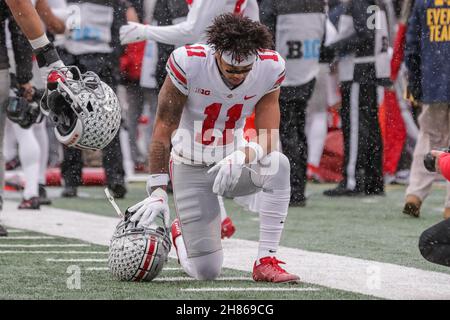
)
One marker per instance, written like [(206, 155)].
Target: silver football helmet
[(84, 109), (138, 254)]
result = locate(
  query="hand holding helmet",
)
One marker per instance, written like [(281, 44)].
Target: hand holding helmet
[(84, 109), (136, 252), (22, 106)]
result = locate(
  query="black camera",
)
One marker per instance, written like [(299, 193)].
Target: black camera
[(21, 111), (429, 160)]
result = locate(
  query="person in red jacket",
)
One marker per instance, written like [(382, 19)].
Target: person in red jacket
[(442, 164), (434, 243)]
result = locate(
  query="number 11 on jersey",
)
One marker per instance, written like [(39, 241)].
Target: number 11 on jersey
[(212, 114)]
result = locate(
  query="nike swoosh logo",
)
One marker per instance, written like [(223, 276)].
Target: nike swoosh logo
[(246, 98)]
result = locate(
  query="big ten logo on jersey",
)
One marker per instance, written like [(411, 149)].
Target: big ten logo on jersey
[(202, 91), (308, 49)]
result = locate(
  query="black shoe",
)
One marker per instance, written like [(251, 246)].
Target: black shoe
[(32, 204), (118, 191), (340, 191), (297, 201), (3, 231), (300, 203), (43, 200), (12, 164), (412, 206), (69, 192), (375, 193)]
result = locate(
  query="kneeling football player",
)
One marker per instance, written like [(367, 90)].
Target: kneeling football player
[(209, 92)]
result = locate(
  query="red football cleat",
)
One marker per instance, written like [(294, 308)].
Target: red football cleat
[(175, 231), (313, 174), (228, 228), (270, 271)]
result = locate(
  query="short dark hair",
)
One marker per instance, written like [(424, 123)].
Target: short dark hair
[(239, 35)]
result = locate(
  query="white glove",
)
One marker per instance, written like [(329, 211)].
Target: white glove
[(229, 170), (44, 71), (147, 210), (133, 32)]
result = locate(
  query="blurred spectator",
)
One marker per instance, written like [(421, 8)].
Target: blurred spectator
[(299, 28), (426, 56), (193, 30), (95, 46), (22, 54), (325, 96), (168, 13), (434, 243), (364, 33), (130, 67), (32, 141)]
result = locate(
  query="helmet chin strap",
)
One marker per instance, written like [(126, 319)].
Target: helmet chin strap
[(113, 203)]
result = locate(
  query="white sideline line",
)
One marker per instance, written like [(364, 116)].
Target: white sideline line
[(27, 238), (169, 279), (97, 269), (227, 289), (61, 223), (52, 252), (157, 279), (75, 260), (383, 280), (46, 245), (15, 231)]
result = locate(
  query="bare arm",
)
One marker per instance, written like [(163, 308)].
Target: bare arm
[(168, 115), (27, 18), (52, 22), (267, 123)]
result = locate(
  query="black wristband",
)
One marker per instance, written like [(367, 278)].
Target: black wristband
[(46, 55)]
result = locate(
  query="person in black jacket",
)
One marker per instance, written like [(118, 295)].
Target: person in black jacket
[(167, 12), (369, 43), (434, 243), (95, 47), (23, 57), (299, 28)]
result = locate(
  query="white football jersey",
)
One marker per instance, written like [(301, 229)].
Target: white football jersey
[(214, 115), (201, 15)]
